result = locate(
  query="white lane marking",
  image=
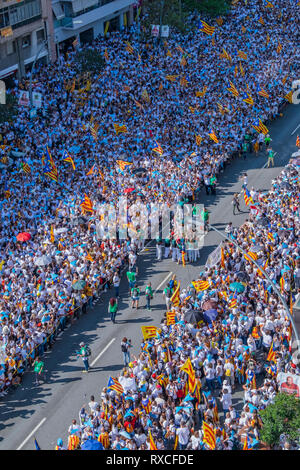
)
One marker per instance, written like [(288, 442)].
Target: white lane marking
[(170, 274), (31, 434), (295, 129), (267, 162), (102, 352)]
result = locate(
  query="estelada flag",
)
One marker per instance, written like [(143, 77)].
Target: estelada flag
[(271, 354), (175, 297), (152, 443), (149, 331)]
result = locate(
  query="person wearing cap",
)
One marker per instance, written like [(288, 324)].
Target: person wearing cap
[(59, 445)]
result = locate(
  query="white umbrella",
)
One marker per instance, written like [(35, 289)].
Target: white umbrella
[(43, 260)]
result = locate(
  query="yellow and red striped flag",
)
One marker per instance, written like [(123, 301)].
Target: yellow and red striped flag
[(200, 94), (158, 149), (170, 318), (86, 204), (213, 136), (120, 128), (250, 256), (271, 354), (149, 332), (209, 435), (242, 55), (232, 89), (152, 443), (198, 139), (171, 78), (188, 368), (122, 164), (200, 285), (261, 21), (52, 237), (289, 97), (206, 28), (279, 48), (129, 47), (91, 171), (175, 297), (73, 442), (298, 141), (106, 54), (94, 130)]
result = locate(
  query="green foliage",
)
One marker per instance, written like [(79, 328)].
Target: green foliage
[(89, 60), (210, 7), (9, 109), (166, 12), (283, 416)]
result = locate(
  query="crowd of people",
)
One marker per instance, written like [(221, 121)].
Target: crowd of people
[(63, 263), (228, 352)]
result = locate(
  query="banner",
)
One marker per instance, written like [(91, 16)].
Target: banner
[(214, 258), (165, 31), (24, 98), (37, 99), (289, 383)]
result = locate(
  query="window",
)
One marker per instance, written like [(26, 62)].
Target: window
[(40, 36), (10, 47), (26, 41)]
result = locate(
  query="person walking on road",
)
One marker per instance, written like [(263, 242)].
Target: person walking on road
[(236, 203), (125, 346), (112, 309), (267, 141), (38, 369), (167, 294), (84, 352), (149, 295), (131, 276), (270, 157), (116, 283)]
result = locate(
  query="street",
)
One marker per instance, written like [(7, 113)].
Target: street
[(45, 412)]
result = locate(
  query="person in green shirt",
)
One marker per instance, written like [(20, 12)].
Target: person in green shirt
[(131, 276), (267, 141), (205, 218), (149, 295), (38, 367), (135, 296), (112, 309), (213, 184), (270, 157)]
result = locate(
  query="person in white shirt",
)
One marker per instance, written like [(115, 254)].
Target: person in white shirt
[(183, 434)]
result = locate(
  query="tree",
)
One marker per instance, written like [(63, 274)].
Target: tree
[(166, 12), (9, 109), (88, 60), (281, 417), (209, 7)]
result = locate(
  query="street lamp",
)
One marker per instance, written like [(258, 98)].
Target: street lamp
[(287, 311)]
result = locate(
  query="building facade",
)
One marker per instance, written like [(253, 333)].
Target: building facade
[(86, 19), (26, 30), (41, 29)]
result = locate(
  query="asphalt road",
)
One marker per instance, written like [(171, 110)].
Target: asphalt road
[(46, 411)]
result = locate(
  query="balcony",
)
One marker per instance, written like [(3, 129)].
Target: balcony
[(95, 13)]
